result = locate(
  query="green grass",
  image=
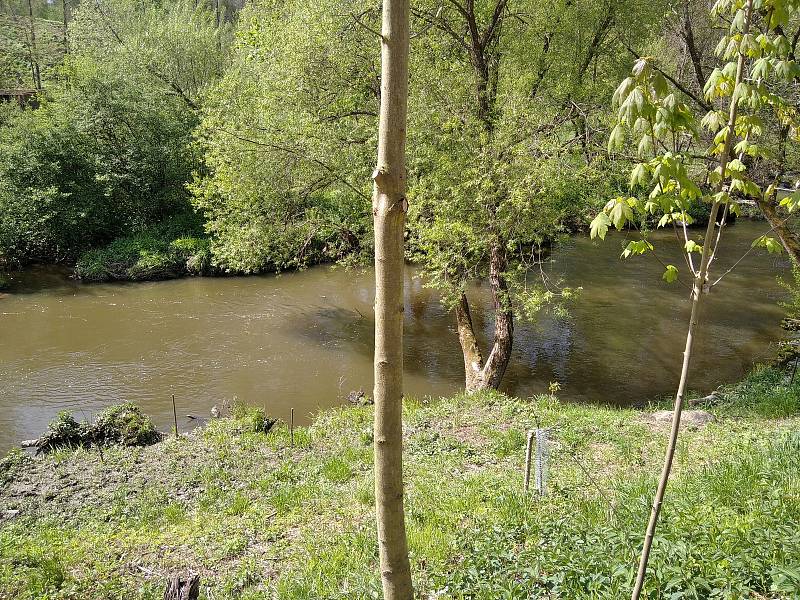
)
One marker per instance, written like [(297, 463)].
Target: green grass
[(258, 519)]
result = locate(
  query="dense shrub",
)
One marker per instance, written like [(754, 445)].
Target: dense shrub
[(173, 248), (97, 159), (109, 150)]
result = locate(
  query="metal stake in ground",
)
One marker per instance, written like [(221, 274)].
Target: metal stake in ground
[(175, 416), (541, 461), (528, 450), (291, 429)]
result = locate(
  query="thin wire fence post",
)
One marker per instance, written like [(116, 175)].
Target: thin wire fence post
[(291, 429), (175, 416)]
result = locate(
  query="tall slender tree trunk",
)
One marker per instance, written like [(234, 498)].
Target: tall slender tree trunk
[(691, 47), (389, 210), (65, 16), (699, 289), (37, 76)]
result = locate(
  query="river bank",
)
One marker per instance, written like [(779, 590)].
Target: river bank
[(179, 247), (206, 340), (257, 518)]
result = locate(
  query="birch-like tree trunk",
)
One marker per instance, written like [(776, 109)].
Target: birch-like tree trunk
[(389, 210), (699, 289)]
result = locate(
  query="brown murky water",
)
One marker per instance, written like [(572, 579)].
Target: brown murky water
[(304, 340)]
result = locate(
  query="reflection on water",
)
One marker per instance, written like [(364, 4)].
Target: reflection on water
[(304, 340)]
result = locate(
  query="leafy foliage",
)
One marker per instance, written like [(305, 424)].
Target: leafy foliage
[(109, 150), (173, 248), (756, 63), (288, 162), (99, 159)]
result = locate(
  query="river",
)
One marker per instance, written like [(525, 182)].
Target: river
[(304, 340)]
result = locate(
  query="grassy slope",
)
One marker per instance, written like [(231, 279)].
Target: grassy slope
[(258, 519)]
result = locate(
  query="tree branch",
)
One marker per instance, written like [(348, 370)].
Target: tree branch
[(300, 155), (496, 18), (358, 21)]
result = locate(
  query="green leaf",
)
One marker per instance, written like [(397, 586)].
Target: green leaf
[(660, 86), (616, 138), (692, 246), (638, 175), (790, 202), (621, 93), (760, 69), (722, 197), (636, 247), (641, 68), (772, 245), (712, 83), (621, 213), (713, 120), (721, 45), (722, 135), (752, 189), (645, 146), (671, 274), (736, 165), (599, 226)]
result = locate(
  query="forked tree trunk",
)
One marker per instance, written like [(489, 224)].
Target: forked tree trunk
[(699, 288), (480, 374), (389, 210)]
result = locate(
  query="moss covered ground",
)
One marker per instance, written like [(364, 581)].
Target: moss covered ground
[(257, 518)]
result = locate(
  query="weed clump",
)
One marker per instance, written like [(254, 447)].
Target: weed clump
[(122, 424), (126, 425), (252, 419)]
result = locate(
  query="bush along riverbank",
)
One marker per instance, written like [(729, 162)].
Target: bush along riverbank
[(256, 517), (174, 248)]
